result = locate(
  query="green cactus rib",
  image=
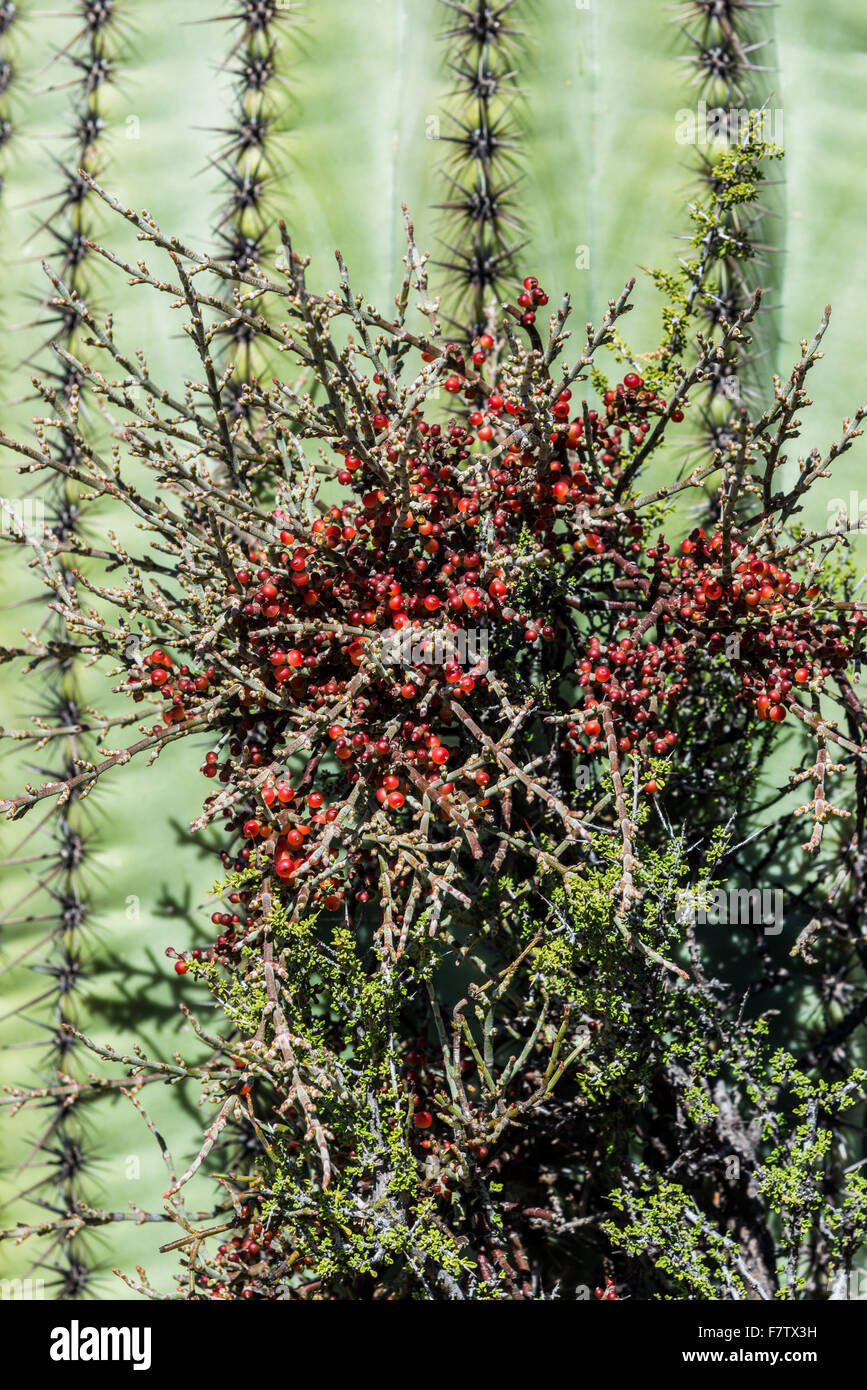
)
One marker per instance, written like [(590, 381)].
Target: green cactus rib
[(8, 16), (252, 158), (62, 1154), (729, 51), (482, 224)]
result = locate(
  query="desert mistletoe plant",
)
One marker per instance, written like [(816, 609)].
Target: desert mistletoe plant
[(483, 1050), (482, 222), (61, 896), (252, 163)]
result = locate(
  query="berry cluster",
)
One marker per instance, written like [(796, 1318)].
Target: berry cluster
[(630, 626), (399, 637), (239, 1261)]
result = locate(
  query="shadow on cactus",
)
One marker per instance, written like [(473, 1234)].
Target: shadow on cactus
[(450, 688)]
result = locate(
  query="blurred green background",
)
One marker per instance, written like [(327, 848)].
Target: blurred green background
[(605, 189)]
